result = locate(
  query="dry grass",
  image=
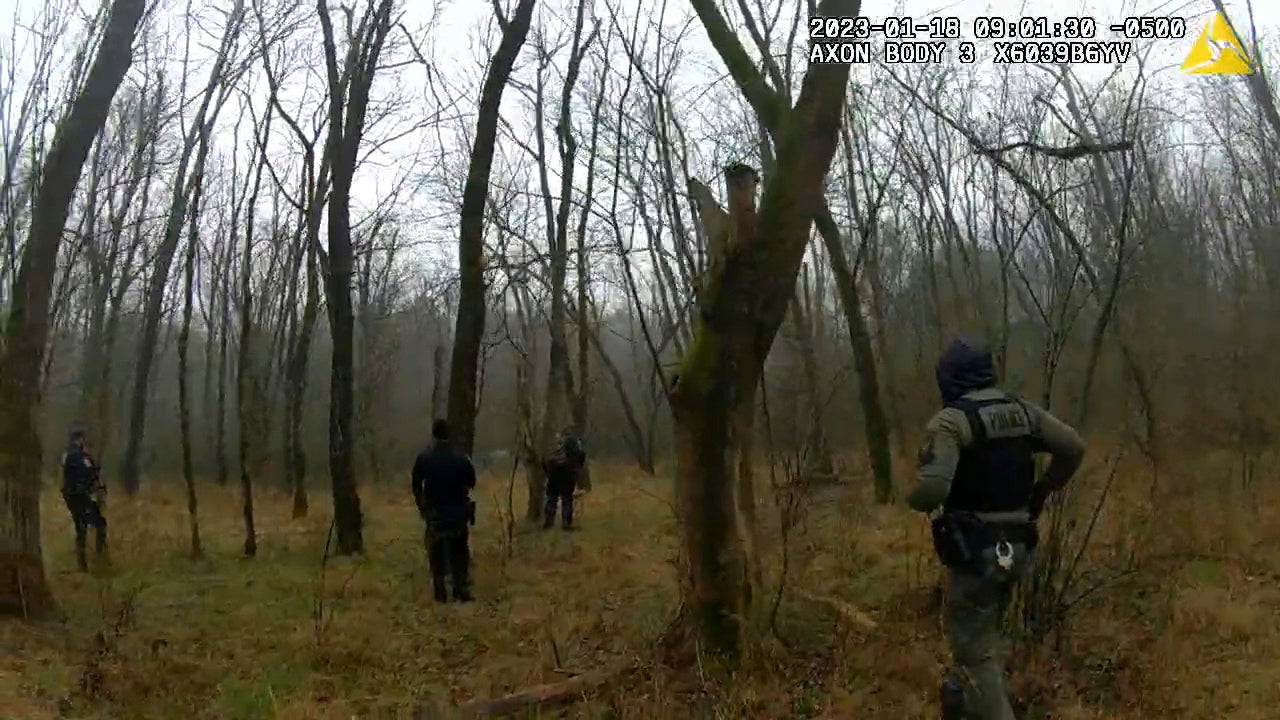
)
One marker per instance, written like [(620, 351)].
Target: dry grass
[(1191, 635)]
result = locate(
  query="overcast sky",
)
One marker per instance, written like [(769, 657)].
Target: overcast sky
[(460, 17), (464, 29)]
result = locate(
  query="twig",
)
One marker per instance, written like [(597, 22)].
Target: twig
[(318, 603), (511, 511), (555, 648), (1088, 533)]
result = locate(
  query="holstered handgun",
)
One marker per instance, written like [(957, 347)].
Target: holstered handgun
[(960, 539), (471, 512), (98, 490)]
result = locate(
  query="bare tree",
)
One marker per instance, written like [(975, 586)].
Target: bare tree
[(249, 395), (313, 189), (217, 89), (349, 87), (110, 255), (469, 326), (558, 407), (184, 334), (24, 590)]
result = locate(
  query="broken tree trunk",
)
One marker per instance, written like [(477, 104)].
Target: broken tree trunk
[(742, 306)]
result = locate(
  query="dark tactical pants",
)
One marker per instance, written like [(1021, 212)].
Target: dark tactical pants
[(565, 500), (449, 557), (975, 609), (86, 513)]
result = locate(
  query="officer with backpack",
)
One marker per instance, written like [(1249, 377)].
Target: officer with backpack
[(977, 478), (565, 468), (443, 478), (83, 492)]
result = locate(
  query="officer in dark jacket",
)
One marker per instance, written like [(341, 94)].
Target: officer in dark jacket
[(565, 469), (442, 482), (82, 489), (978, 479)]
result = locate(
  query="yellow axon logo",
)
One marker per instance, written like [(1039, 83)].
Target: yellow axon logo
[(1217, 51)]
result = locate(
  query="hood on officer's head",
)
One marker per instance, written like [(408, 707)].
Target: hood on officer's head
[(77, 433), (966, 365)]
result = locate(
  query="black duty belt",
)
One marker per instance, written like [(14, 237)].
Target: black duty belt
[(1022, 533)]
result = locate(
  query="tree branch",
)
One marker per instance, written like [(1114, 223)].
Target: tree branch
[(1068, 152)]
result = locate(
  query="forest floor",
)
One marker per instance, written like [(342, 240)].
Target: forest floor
[(1182, 625)]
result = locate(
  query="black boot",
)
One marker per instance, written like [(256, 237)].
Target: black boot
[(100, 550), (81, 560), (951, 696), (441, 593), (462, 587)]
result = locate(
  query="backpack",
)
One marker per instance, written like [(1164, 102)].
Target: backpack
[(567, 453)]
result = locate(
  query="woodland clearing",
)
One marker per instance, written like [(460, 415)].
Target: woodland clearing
[(165, 636), (253, 250)]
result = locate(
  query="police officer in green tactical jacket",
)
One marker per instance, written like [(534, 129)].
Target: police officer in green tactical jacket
[(977, 480)]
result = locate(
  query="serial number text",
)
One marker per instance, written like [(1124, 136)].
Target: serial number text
[(1111, 52)]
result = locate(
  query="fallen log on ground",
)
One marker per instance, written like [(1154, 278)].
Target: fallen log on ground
[(844, 610), (545, 696)]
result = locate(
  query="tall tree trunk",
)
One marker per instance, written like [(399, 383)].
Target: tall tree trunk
[(99, 281), (105, 403), (348, 519), (184, 335), (24, 589), (348, 103), (243, 391), (113, 277), (297, 384), (249, 396), (469, 327), (221, 464), (582, 401), (288, 329), (439, 380), (559, 399), (743, 305), (586, 331), (818, 462), (210, 337), (877, 424)]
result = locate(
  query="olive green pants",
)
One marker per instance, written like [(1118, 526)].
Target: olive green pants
[(975, 610)]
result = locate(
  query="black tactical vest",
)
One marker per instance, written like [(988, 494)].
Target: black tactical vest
[(997, 470)]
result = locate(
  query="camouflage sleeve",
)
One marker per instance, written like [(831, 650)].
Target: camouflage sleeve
[(947, 432), (1059, 440)]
